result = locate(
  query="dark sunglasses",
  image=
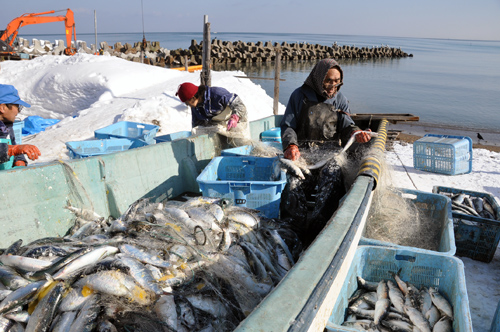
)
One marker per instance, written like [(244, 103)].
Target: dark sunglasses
[(19, 107)]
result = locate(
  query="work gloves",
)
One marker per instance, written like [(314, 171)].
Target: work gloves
[(362, 136), (19, 163), (292, 152), (233, 121), (30, 150)]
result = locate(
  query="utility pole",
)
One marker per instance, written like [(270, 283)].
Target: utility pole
[(205, 76), (277, 71)]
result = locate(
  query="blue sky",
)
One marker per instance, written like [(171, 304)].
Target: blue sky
[(456, 19)]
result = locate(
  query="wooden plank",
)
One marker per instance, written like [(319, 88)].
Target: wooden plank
[(391, 117)]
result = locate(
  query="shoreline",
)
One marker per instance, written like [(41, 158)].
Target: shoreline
[(410, 132)]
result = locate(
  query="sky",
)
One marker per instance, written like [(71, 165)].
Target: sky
[(446, 19), (87, 92)]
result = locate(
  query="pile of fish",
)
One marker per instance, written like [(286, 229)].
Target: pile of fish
[(398, 306), (471, 205), (194, 265)]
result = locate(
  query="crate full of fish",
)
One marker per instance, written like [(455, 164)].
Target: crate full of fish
[(410, 219), (173, 136), (446, 154), (476, 222), (269, 149), (401, 289), (83, 149), (127, 129), (250, 182)]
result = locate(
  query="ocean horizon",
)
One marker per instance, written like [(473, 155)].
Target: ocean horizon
[(447, 82)]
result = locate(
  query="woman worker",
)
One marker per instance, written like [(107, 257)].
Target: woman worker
[(215, 106)]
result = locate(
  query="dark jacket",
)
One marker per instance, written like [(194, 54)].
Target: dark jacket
[(7, 131), (289, 123), (215, 100)]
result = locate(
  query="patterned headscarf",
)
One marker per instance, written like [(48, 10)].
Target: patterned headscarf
[(318, 74)]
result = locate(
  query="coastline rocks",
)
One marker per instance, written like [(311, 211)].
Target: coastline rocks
[(221, 52)]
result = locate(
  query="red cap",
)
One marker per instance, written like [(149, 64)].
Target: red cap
[(186, 91)]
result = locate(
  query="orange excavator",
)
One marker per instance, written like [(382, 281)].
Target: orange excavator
[(8, 36)]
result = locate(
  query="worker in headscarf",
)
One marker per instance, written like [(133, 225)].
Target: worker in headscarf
[(317, 115), (10, 105), (214, 107)]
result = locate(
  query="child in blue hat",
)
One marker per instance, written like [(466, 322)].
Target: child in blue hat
[(10, 105)]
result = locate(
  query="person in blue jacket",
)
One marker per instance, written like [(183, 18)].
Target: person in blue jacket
[(212, 106), (10, 105), (317, 120)]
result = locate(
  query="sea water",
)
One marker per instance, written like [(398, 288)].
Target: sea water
[(446, 82)]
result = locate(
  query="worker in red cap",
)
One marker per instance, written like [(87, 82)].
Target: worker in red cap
[(10, 105), (214, 106)]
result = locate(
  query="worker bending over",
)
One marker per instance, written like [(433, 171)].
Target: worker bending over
[(10, 106)]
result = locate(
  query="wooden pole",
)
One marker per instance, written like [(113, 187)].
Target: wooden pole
[(277, 71), (205, 71), (186, 65)]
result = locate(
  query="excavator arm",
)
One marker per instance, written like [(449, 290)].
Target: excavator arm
[(10, 33)]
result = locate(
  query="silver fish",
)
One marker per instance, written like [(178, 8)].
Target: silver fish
[(382, 292), (441, 303), (74, 300), (106, 326), (368, 285), (381, 310), (478, 204), (291, 167), (20, 296), (208, 304), (141, 274), (432, 315), (86, 319), (418, 319), (18, 316), (166, 311), (64, 321), (143, 256), (403, 286), (425, 300), (397, 325), (11, 279), (24, 263), (396, 296), (443, 325), (81, 262), (45, 310)]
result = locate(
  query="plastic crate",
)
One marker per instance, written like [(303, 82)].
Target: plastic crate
[(436, 208), (495, 324), (173, 136), (444, 154), (18, 131), (246, 150), (489, 197), (130, 130), (251, 182), (444, 272), (271, 135), (83, 149)]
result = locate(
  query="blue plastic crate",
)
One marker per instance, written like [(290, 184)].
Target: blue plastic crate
[(251, 182), (475, 237), (173, 136), (495, 324), (83, 149), (18, 131), (437, 209), (130, 130), (246, 150), (444, 154), (8, 164), (271, 135), (444, 272)]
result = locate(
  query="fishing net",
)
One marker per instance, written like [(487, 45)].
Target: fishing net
[(396, 216)]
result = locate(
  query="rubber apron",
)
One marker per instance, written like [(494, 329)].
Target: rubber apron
[(317, 122)]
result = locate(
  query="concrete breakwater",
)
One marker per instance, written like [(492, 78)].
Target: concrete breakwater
[(222, 52)]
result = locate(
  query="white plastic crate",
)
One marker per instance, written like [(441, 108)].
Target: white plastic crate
[(444, 154)]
